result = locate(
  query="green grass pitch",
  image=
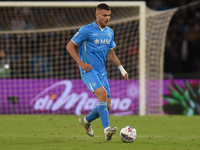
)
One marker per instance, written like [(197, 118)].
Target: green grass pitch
[(63, 132)]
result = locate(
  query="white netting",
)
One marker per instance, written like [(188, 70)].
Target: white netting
[(157, 24), (34, 40)]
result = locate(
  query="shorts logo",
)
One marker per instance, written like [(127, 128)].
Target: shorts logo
[(96, 41), (94, 84)]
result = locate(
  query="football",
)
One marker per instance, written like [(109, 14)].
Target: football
[(128, 134)]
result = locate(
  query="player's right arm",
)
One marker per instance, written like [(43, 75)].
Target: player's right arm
[(72, 51)]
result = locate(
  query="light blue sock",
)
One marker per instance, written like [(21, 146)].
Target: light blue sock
[(94, 114), (103, 113)]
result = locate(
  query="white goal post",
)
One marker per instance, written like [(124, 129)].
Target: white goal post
[(143, 38)]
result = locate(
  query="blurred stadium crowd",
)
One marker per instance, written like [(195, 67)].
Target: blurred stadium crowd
[(182, 49)]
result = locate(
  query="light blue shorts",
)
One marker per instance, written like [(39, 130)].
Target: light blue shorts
[(94, 81)]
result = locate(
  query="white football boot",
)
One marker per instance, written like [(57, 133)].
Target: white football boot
[(109, 133), (87, 127)]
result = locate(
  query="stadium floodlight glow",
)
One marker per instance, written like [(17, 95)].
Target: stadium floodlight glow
[(139, 34)]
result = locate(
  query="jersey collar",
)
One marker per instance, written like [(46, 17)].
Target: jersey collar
[(95, 24)]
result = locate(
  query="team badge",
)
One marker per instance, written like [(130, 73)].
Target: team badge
[(94, 83), (96, 41)]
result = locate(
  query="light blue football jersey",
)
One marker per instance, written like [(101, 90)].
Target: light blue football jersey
[(94, 44)]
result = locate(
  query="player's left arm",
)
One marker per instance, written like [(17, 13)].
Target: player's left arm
[(113, 57)]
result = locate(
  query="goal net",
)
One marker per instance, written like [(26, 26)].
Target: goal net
[(38, 75)]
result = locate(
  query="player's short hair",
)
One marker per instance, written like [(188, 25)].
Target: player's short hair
[(103, 6)]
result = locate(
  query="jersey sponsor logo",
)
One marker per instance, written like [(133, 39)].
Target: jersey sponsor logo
[(94, 34), (105, 41), (102, 41)]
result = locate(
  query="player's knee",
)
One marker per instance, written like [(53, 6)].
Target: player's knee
[(101, 95)]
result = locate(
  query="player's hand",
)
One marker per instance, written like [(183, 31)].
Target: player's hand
[(125, 77), (123, 72), (86, 67)]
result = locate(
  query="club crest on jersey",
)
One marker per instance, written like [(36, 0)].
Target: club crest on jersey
[(102, 41), (96, 41)]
